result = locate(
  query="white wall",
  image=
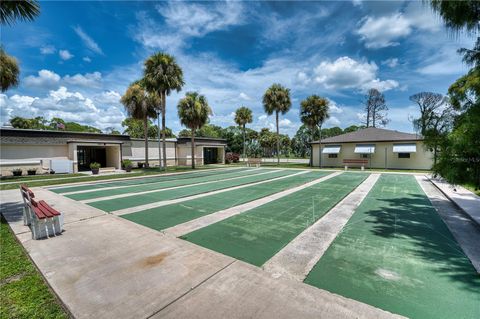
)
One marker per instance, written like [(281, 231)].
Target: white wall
[(136, 152), (421, 159)]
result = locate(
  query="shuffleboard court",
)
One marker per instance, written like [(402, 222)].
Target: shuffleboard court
[(142, 199), (163, 217), (396, 253), (162, 184), (139, 181), (258, 234)]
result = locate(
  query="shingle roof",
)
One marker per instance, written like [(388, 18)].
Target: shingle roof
[(372, 134)]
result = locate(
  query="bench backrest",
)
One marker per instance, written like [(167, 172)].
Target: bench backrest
[(27, 194), (254, 160), (355, 161)]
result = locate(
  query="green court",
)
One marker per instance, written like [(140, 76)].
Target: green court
[(167, 216), (397, 254), (258, 234), (142, 199), (191, 180)]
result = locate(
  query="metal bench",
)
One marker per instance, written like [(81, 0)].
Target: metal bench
[(254, 161), (360, 162), (44, 220)]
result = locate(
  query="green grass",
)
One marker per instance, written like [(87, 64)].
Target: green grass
[(24, 178), (396, 253), (471, 188), (23, 293), (258, 234), (142, 199), (167, 216), (60, 181)]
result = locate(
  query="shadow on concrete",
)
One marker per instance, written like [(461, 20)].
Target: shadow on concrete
[(13, 212), (414, 221)]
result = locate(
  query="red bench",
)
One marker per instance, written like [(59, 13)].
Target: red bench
[(44, 220), (358, 161)]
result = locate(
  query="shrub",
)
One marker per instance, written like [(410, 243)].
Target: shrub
[(17, 172), (95, 165), (232, 158), (140, 165), (32, 171), (126, 163)]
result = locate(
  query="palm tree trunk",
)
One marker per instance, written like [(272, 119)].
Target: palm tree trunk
[(193, 148), (145, 129), (320, 146), (278, 140), (244, 143), (164, 146)]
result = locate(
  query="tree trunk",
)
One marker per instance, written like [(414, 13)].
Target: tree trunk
[(164, 145), (373, 116), (278, 140), (244, 152), (320, 146), (193, 148), (145, 129), (368, 116)]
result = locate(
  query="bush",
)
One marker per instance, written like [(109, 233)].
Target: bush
[(127, 163), (95, 165), (140, 165), (32, 171), (232, 158)]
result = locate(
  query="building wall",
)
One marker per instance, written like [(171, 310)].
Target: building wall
[(184, 154), (29, 157), (384, 157), (113, 156), (135, 151)]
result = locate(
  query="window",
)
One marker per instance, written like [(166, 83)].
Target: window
[(363, 155), (403, 155), (332, 155)]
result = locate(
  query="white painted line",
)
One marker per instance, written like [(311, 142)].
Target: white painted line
[(183, 199), (204, 221), (296, 259), (98, 199), (465, 231), (143, 184)]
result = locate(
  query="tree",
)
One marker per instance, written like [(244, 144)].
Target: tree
[(9, 71), (243, 116), (134, 128), (208, 130), (277, 100), (429, 104), (193, 111), (313, 113), (25, 10), (163, 75), (376, 108), (140, 105), (459, 15)]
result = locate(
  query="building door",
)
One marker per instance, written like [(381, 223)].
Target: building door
[(89, 154), (210, 155)]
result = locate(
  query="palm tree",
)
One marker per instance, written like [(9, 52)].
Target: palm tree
[(163, 75), (193, 111), (24, 10), (8, 72), (313, 112), (140, 105), (277, 99), (243, 115)]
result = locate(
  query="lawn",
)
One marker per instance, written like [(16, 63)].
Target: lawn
[(23, 292)]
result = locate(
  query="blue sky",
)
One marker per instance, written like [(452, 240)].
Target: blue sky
[(77, 58)]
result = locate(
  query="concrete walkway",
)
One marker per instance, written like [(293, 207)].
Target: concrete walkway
[(206, 220), (103, 266), (296, 259), (465, 199), (464, 229)]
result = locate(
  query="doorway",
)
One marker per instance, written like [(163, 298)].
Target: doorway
[(210, 155), (89, 154)]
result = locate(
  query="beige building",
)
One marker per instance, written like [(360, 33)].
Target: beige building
[(71, 152), (379, 148)]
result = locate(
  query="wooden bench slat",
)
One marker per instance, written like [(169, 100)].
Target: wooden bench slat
[(48, 208)]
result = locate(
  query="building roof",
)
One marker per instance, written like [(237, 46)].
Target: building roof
[(183, 140), (371, 134)]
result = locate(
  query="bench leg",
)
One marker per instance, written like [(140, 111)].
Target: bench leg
[(363, 168), (26, 217), (58, 224), (346, 167), (39, 229)]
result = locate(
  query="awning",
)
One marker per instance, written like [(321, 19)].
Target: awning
[(405, 148), (364, 149), (331, 149)]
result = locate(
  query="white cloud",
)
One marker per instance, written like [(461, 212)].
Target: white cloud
[(87, 59), (286, 123), (65, 55), (386, 31), (87, 40), (391, 63), (346, 73), (91, 80), (334, 108), (333, 121), (44, 79), (71, 106), (47, 49), (244, 96)]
